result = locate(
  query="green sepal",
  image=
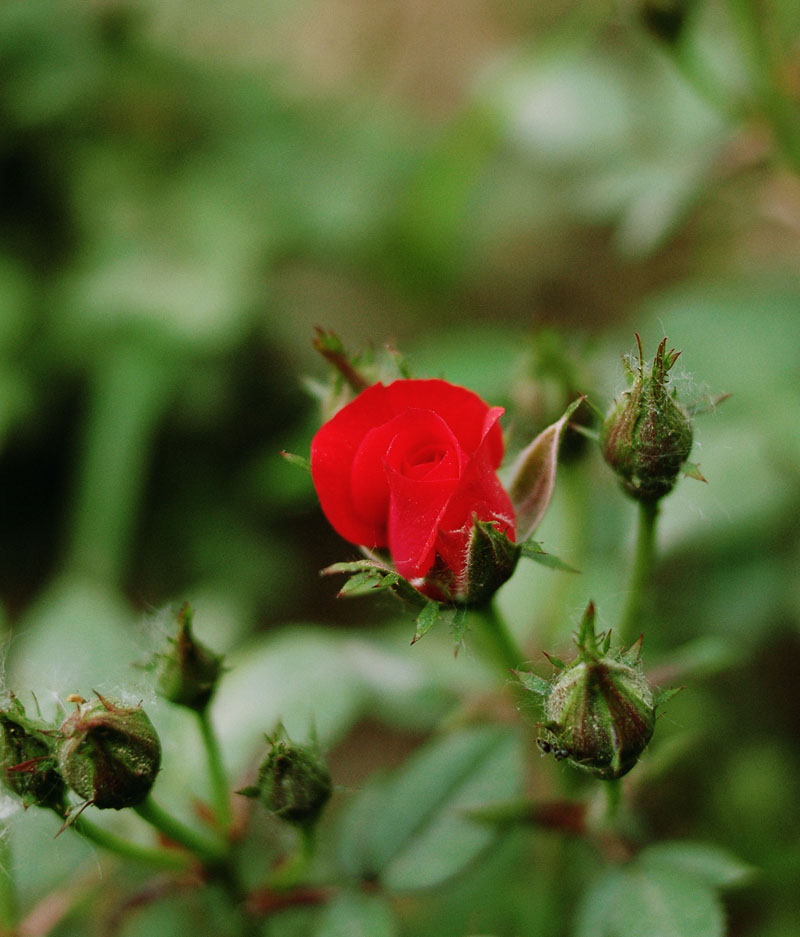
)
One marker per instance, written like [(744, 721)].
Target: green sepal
[(692, 470), (367, 576), (660, 697), (299, 460), (458, 625), (426, 619), (533, 683), (532, 550)]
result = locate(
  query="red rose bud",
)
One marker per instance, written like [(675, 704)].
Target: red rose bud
[(293, 782), (600, 710), (411, 467), (28, 760), (109, 754), (188, 672), (647, 436)]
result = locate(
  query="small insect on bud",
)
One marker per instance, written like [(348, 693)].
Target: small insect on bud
[(647, 436), (28, 760), (187, 673), (600, 711), (108, 753), (293, 781)]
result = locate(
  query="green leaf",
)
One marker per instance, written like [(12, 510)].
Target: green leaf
[(426, 619), (532, 550), (703, 861), (411, 830), (355, 914), (596, 908), (666, 902)]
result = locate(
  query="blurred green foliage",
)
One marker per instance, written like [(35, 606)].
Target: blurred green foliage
[(504, 191)]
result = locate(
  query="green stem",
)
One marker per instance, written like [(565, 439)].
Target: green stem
[(8, 893), (642, 568), (613, 792), (501, 644), (125, 848), (216, 770), (208, 852), (291, 872)]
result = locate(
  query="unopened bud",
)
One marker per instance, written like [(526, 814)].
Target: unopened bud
[(28, 761), (600, 710), (109, 754), (188, 671), (647, 436), (293, 781)]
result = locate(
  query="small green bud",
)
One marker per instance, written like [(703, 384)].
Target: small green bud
[(188, 672), (600, 711), (293, 781), (109, 754), (647, 436), (28, 760)]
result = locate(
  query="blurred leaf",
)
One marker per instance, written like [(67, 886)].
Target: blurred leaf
[(597, 905), (704, 861), (639, 901), (662, 902), (355, 914), (410, 829)]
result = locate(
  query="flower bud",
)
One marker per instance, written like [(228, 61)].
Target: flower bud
[(600, 711), (109, 754), (188, 672), (28, 760), (293, 781), (647, 436)]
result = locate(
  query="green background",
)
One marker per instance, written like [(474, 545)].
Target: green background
[(504, 192)]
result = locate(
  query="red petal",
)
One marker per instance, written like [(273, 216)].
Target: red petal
[(333, 449), (469, 417)]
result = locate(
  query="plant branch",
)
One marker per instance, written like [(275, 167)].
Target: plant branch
[(211, 854), (126, 849), (216, 770)]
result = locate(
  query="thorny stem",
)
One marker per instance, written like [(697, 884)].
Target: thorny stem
[(210, 853), (216, 770), (642, 568)]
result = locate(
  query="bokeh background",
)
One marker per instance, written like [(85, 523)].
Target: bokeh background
[(503, 191)]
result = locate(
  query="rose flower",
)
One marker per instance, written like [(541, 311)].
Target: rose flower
[(410, 467)]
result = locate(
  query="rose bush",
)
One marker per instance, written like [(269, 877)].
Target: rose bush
[(410, 466)]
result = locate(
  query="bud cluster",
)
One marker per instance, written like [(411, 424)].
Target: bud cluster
[(106, 753)]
